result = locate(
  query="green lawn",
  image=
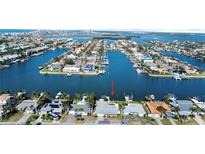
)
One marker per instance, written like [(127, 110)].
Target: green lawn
[(203, 117), (46, 118), (186, 122), (15, 117), (152, 121), (166, 121), (31, 119)]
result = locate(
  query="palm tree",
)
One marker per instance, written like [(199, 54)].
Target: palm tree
[(121, 107), (91, 101), (166, 99), (78, 96), (35, 94)]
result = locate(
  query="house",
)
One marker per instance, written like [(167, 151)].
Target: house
[(28, 106), (199, 104), (6, 100), (55, 66), (71, 69), (136, 109), (184, 106), (105, 107), (156, 108), (55, 107), (148, 60), (81, 108), (71, 56), (89, 68)]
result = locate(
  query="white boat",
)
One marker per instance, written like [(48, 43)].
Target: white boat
[(101, 71), (135, 65), (22, 60), (183, 76), (128, 98), (139, 70), (69, 74), (176, 76)]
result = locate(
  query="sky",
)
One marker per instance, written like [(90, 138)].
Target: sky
[(160, 15)]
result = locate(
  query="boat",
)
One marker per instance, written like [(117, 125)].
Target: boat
[(69, 74), (135, 65), (139, 70), (128, 98), (40, 67), (185, 77), (101, 71), (176, 76), (22, 60)]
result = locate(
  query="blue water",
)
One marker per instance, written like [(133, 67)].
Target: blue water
[(26, 76), (2, 31)]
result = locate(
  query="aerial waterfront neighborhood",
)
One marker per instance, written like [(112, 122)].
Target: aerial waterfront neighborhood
[(52, 77), (41, 108)]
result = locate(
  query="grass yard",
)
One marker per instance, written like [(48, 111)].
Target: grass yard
[(166, 121), (151, 120), (64, 118), (186, 122), (15, 117), (135, 122)]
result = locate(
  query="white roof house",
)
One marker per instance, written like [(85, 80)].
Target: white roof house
[(134, 109), (71, 56), (28, 105), (4, 98), (106, 108), (200, 104), (55, 106), (71, 68), (81, 107)]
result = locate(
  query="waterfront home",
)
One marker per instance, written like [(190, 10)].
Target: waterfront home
[(6, 100), (71, 56), (55, 106), (27, 105), (55, 66), (156, 108), (199, 104), (71, 69), (184, 107), (80, 108), (134, 109), (105, 107), (9, 58), (139, 56), (148, 60), (89, 68)]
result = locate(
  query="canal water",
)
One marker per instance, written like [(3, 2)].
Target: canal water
[(26, 76)]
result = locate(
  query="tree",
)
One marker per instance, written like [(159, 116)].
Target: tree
[(77, 96), (166, 99), (91, 100), (69, 61), (121, 106), (35, 94)]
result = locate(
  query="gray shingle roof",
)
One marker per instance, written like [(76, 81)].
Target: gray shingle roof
[(106, 108), (134, 108)]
